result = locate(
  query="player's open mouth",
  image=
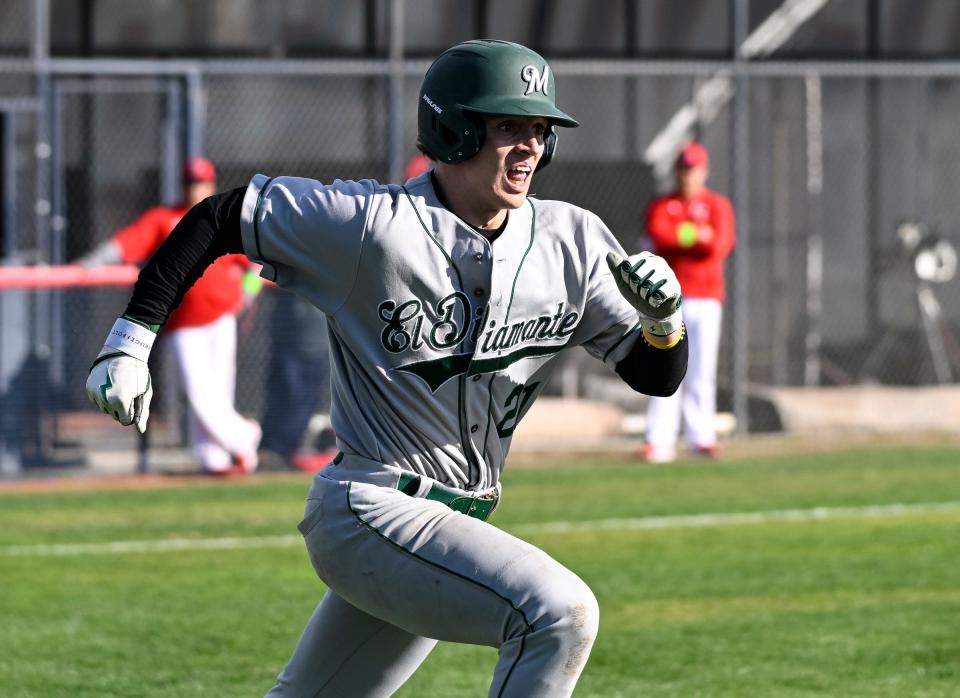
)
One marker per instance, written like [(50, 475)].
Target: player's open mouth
[(519, 174)]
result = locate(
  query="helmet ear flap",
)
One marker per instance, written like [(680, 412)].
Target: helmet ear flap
[(446, 134), (453, 137), (473, 141), (550, 138)]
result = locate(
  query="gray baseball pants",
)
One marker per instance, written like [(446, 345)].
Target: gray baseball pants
[(404, 572)]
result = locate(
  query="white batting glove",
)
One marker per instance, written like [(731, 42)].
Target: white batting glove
[(649, 285), (119, 381)]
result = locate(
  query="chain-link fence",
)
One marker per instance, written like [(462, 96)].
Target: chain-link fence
[(829, 286), (15, 28)]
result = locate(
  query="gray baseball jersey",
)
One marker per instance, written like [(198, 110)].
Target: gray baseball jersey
[(440, 340), (439, 343)]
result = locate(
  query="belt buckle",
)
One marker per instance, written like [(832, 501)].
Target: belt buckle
[(483, 505), (462, 504), (475, 507)]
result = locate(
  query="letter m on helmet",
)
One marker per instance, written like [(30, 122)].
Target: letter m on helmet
[(536, 81)]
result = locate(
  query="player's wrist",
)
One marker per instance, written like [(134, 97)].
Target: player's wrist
[(667, 341), (661, 327), (153, 328), (130, 337)]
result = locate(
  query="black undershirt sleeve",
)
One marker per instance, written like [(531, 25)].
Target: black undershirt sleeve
[(209, 230), (653, 371)]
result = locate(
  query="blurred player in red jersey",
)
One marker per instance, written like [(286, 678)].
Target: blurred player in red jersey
[(202, 331), (693, 229)]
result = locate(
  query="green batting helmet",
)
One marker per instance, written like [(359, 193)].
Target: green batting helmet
[(484, 77)]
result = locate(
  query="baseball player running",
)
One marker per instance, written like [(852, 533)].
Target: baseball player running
[(448, 299)]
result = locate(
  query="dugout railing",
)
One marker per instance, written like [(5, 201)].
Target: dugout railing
[(53, 319)]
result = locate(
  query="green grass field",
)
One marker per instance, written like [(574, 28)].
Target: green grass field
[(863, 600)]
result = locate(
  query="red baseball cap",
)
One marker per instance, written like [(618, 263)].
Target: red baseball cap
[(693, 155), (199, 169)]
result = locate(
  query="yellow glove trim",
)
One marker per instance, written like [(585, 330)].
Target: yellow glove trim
[(683, 332)]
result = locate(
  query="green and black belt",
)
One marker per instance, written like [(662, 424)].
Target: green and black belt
[(479, 507)]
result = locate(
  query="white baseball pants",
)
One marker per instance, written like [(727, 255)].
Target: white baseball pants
[(404, 572), (206, 358), (696, 399)]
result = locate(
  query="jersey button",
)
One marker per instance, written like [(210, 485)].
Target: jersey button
[(473, 429), (478, 292), (478, 256), (476, 378)]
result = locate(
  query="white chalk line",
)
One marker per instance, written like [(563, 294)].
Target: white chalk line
[(649, 523), (644, 523), (166, 545)]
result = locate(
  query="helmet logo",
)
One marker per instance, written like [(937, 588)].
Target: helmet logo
[(433, 105), (536, 81)]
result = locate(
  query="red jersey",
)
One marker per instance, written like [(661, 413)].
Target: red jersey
[(218, 292), (694, 236)]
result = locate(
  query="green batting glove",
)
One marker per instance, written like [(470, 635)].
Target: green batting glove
[(649, 285)]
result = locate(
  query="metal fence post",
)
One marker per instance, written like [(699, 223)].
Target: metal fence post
[(58, 216), (741, 202), (40, 323), (43, 150), (814, 279), (196, 113), (9, 180), (172, 147), (9, 453), (395, 130)]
